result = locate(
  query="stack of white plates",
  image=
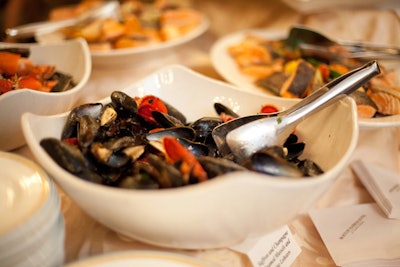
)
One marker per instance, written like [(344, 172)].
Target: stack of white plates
[(31, 224)]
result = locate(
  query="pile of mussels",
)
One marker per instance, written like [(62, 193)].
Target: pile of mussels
[(145, 143)]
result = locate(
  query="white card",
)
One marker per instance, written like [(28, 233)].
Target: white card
[(382, 184), (276, 249), (359, 233)]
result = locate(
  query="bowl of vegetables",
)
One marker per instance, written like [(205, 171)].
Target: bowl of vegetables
[(42, 79), (143, 163)]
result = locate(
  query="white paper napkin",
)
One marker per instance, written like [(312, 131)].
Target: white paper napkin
[(383, 185), (359, 235)]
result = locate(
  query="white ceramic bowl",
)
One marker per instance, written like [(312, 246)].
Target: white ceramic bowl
[(226, 209), (71, 57)]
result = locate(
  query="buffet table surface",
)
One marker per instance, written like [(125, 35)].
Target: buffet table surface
[(86, 237)]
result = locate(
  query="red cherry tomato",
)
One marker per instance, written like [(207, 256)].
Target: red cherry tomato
[(269, 108), (148, 104)]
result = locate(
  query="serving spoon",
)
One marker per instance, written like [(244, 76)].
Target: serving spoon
[(107, 9), (245, 135), (313, 43)]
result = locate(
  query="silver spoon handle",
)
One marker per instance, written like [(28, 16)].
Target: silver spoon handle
[(339, 87), (108, 9), (31, 29), (370, 47)]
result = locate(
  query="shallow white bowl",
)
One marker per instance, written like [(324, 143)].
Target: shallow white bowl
[(71, 57), (226, 209)]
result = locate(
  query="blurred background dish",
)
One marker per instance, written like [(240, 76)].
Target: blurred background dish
[(139, 31), (70, 57), (215, 213), (228, 68)]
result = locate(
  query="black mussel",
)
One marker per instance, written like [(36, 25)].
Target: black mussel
[(175, 113), (88, 128), (64, 82), (204, 127), (167, 175), (166, 120), (292, 138), (198, 149), (125, 126), (108, 115), (124, 104), (139, 177), (212, 147), (71, 125), (108, 157), (70, 158), (222, 109), (272, 164), (177, 132), (294, 150), (218, 166), (309, 168)]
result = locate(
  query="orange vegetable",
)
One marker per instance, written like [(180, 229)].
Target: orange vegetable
[(176, 152), (9, 63), (30, 82)]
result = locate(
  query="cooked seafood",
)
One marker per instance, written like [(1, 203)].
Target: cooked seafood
[(285, 72), (18, 71), (126, 143), (141, 23)]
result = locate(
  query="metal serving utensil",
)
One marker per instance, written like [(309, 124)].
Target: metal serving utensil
[(245, 135), (107, 9), (313, 43)]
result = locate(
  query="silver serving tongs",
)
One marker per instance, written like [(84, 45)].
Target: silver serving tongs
[(107, 9), (313, 43)]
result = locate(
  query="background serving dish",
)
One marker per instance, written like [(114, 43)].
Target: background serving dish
[(71, 57), (221, 211), (227, 68), (132, 56)]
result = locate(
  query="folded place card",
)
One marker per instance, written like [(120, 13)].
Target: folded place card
[(382, 184), (275, 249), (359, 235)]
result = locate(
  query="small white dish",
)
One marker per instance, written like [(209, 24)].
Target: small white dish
[(144, 258), (71, 57), (227, 68)]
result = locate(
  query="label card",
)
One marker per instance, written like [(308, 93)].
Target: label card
[(276, 249)]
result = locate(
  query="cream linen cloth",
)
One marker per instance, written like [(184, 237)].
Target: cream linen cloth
[(85, 237)]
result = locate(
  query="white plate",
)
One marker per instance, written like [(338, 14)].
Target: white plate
[(141, 259), (23, 191), (227, 68), (132, 56)]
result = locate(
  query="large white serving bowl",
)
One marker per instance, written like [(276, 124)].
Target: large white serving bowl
[(226, 209), (70, 57)]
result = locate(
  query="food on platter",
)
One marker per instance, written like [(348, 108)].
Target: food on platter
[(145, 143), (283, 71), (138, 24), (17, 71)]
